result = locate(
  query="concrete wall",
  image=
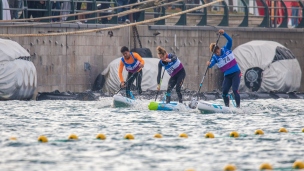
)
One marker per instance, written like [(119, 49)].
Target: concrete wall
[(60, 59), (192, 47)]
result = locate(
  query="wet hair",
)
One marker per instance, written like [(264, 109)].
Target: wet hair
[(161, 50), (123, 49), (212, 46)]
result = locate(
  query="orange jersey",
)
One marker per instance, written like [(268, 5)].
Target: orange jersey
[(129, 61)]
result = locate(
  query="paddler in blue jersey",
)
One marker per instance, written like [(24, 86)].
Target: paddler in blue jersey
[(175, 69), (224, 58)]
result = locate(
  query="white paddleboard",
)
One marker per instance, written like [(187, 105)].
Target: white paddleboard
[(207, 108), (121, 101)]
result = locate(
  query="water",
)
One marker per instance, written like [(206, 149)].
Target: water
[(27, 120)]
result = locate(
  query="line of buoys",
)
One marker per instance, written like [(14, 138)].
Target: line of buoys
[(129, 136), (264, 166), (230, 167)]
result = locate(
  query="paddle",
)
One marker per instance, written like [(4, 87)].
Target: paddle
[(193, 103), (128, 80), (160, 84)]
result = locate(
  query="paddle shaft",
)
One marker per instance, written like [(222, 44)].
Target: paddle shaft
[(201, 84), (128, 80), (160, 84)]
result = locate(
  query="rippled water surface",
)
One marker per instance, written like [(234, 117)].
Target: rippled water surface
[(27, 120)]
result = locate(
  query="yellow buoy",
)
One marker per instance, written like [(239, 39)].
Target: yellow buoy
[(43, 139), (265, 166), (234, 134), (189, 170), (259, 132), (303, 130), (101, 136), (73, 137), (129, 137), (13, 138), (229, 167), (183, 135), (158, 136), (209, 135), (298, 165), (283, 129)]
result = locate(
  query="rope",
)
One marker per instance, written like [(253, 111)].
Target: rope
[(70, 15), (114, 27), (107, 16)]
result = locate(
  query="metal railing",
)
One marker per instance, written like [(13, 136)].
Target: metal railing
[(274, 13)]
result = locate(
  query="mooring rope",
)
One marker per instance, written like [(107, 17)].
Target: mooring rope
[(114, 27), (76, 14), (94, 18)]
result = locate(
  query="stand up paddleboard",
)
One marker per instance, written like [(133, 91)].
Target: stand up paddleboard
[(121, 101), (208, 108), (162, 106)]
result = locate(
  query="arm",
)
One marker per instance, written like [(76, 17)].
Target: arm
[(173, 57), (120, 68), (138, 57), (159, 72), (212, 62), (229, 41)]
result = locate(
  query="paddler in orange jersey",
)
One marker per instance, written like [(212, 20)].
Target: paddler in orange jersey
[(132, 62)]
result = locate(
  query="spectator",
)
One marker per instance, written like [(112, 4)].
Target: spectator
[(104, 5), (65, 9), (35, 5), (57, 6), (122, 3), (295, 13), (6, 13), (13, 4)]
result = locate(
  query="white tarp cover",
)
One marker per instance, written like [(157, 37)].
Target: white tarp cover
[(18, 77), (282, 75), (10, 50), (149, 79)]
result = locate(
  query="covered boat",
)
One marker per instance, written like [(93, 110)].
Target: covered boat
[(267, 66), (18, 76)]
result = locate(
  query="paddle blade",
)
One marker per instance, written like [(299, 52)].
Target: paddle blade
[(153, 106), (193, 103)]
